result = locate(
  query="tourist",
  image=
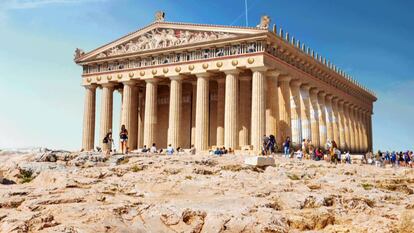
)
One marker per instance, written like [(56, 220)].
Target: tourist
[(192, 150), (265, 145), (153, 149), (318, 154), (108, 141), (400, 161), (218, 151), (170, 150), (348, 158), (299, 154), (123, 135), (272, 144), (286, 147), (378, 159), (393, 159), (303, 147), (144, 149)]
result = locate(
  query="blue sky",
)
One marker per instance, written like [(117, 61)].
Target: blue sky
[(41, 98)]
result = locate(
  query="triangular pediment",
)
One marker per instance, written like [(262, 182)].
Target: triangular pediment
[(165, 35)]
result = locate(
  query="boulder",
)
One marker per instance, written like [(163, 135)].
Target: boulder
[(260, 161)]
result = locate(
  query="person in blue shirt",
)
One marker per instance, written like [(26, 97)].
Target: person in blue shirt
[(170, 150)]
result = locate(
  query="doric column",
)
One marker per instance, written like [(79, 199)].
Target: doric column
[(357, 130), (284, 109), (245, 105), (305, 112), (120, 91), (369, 131), (88, 137), (335, 121), (129, 112), (365, 129), (220, 111), (341, 121), (258, 121), (352, 132), (272, 113), (347, 127), (106, 113), (314, 116), (174, 130), (202, 112), (329, 124), (361, 131), (295, 112), (322, 119), (231, 109), (193, 112), (141, 113), (150, 118)]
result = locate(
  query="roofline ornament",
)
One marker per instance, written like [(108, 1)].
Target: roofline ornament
[(159, 16), (264, 22)]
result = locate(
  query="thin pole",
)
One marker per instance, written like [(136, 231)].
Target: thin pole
[(247, 18)]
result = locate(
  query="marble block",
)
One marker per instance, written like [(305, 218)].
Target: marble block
[(259, 161)]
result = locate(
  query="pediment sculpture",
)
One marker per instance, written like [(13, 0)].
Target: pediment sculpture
[(162, 38)]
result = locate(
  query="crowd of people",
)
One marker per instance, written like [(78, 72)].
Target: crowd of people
[(306, 150)]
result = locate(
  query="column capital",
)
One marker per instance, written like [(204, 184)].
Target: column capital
[(232, 71), (314, 90), (108, 85), (129, 83), (306, 87), (273, 73), (176, 77), (322, 94), (259, 69), (329, 96), (284, 78), (151, 80), (91, 86), (203, 75), (341, 102), (295, 83)]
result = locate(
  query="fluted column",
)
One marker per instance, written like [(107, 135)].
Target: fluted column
[(220, 111), (347, 127), (295, 112), (370, 131), (174, 127), (258, 121), (335, 122), (341, 121), (150, 118), (357, 130), (329, 124), (305, 112), (352, 129), (365, 130), (245, 105), (231, 109), (202, 112), (314, 116), (272, 112), (193, 112), (284, 109), (88, 137), (106, 113), (141, 107), (361, 131), (129, 112), (322, 119)]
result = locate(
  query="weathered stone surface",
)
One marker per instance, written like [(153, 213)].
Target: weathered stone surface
[(201, 193)]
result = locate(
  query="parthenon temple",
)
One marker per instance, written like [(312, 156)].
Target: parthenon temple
[(208, 85)]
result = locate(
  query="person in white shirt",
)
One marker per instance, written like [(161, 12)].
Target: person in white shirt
[(153, 148), (170, 150)]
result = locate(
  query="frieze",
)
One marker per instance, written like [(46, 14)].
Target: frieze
[(162, 38)]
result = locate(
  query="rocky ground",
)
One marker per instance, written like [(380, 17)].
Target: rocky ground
[(58, 191)]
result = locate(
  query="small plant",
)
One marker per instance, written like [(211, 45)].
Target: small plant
[(124, 161), (367, 186), (293, 176), (137, 168), (25, 176), (188, 177)]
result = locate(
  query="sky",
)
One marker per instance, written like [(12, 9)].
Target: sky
[(41, 98)]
